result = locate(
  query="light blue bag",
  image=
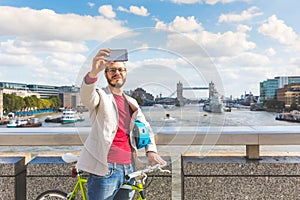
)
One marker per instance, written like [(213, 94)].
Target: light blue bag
[(141, 134)]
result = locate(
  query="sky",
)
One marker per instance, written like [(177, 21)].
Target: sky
[(236, 44)]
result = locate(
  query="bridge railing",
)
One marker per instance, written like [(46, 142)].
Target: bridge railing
[(251, 137)]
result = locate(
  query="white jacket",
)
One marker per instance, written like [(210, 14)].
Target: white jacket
[(104, 125)]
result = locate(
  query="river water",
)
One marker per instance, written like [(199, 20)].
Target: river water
[(189, 115)]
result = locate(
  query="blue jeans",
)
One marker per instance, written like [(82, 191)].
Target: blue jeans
[(108, 187)]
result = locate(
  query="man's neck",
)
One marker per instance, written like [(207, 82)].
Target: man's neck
[(117, 91)]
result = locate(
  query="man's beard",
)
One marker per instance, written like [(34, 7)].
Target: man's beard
[(117, 85)]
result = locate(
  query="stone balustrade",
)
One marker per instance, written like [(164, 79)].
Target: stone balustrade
[(210, 177), (235, 177), (20, 181)]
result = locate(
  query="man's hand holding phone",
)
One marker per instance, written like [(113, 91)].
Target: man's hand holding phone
[(99, 62), (104, 56)]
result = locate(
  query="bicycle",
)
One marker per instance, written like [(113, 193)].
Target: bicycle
[(140, 177)]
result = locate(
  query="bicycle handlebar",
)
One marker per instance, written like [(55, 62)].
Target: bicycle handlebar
[(147, 170)]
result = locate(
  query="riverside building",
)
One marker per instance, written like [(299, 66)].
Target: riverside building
[(69, 95), (269, 87), (290, 95)]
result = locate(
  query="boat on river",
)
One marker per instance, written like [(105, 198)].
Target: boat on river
[(50, 119), (293, 116), (24, 123), (214, 103), (168, 118), (32, 122), (70, 116)]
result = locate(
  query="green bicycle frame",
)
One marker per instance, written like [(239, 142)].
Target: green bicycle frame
[(138, 187), (79, 185)]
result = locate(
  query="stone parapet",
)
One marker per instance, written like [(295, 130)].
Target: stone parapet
[(48, 173), (52, 173), (235, 177), (12, 178)]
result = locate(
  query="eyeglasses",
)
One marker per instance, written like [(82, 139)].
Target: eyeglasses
[(114, 70)]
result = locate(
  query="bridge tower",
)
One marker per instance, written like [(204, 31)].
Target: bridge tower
[(1, 103), (211, 89), (180, 101)]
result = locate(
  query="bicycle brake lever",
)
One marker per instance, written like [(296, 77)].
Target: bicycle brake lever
[(145, 177)]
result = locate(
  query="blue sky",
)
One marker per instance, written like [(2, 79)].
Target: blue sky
[(234, 43)]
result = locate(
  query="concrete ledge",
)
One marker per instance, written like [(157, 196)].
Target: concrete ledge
[(48, 173), (234, 177), (51, 172), (12, 178), (237, 135)]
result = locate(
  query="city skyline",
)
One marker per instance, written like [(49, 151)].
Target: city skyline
[(235, 43)]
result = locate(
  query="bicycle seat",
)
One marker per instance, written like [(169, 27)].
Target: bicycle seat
[(69, 158)]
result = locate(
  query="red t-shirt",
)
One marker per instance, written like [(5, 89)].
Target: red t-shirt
[(120, 150)]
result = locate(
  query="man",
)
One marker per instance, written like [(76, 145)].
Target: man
[(110, 148)]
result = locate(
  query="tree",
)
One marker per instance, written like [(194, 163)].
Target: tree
[(36, 102), (273, 104), (44, 103), (55, 102), (29, 101), (294, 106), (12, 102)]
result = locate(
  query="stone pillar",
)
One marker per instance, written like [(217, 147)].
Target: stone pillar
[(234, 177), (48, 173), (12, 178)]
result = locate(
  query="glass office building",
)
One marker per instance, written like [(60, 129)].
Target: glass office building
[(268, 88), (69, 95)]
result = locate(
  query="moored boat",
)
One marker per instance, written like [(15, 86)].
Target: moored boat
[(53, 119), (293, 116), (12, 123), (24, 123), (69, 116), (32, 122)]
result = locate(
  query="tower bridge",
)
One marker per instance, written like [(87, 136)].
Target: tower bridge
[(180, 100), (180, 89), (195, 88)]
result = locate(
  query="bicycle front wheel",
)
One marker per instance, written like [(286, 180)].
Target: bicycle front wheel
[(52, 195)]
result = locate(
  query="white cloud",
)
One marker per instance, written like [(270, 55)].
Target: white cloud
[(244, 15), (245, 59), (217, 44), (91, 4), (50, 47), (295, 62), (243, 28), (10, 47), (186, 1), (141, 11), (9, 60), (278, 30), (210, 2), (107, 11), (270, 52), (181, 24), (47, 25)]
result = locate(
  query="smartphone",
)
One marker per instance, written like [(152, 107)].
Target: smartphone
[(118, 55)]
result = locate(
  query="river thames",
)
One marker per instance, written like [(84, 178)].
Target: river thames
[(186, 116)]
